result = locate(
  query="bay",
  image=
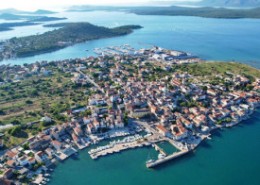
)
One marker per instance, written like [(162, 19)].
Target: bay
[(211, 39)]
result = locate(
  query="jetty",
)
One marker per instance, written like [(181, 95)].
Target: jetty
[(154, 163), (118, 148)]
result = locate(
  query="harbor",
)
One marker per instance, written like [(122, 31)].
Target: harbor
[(129, 142)]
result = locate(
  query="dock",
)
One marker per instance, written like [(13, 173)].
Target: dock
[(118, 148), (157, 162)]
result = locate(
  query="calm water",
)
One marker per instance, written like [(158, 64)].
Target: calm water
[(212, 39), (230, 158)]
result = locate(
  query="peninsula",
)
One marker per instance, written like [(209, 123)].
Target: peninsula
[(67, 35), (207, 12), (50, 110)]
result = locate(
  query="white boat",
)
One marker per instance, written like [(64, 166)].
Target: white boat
[(161, 156), (149, 161)]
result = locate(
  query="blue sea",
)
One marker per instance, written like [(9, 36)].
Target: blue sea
[(211, 39)]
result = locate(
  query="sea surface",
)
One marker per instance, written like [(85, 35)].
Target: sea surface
[(211, 39), (231, 157)]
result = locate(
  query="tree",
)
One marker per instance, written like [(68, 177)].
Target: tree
[(15, 131), (2, 112), (205, 88), (16, 122), (125, 119), (29, 102), (86, 113)]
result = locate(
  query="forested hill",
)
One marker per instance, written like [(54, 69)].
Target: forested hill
[(68, 34), (207, 12), (231, 3)]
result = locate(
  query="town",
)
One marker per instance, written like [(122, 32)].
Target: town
[(140, 95)]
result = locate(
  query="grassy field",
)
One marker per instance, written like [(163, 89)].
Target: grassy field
[(29, 100)]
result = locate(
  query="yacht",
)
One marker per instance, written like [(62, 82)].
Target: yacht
[(161, 156)]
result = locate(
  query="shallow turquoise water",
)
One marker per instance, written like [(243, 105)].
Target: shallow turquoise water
[(212, 39), (230, 158)]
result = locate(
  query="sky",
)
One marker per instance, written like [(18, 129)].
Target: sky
[(59, 4)]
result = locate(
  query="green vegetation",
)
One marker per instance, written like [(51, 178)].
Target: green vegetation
[(69, 34), (199, 12), (220, 68), (11, 16), (46, 19), (229, 3), (207, 12), (23, 104)]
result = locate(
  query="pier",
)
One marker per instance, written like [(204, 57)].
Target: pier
[(157, 162), (118, 148)]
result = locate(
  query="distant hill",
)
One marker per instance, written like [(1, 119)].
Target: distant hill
[(31, 18), (12, 11), (10, 16), (207, 12), (230, 3), (15, 11), (47, 19), (40, 11)]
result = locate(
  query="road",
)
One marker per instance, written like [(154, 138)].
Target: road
[(91, 81)]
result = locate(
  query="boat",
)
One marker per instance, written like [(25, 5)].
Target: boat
[(161, 156), (149, 161)]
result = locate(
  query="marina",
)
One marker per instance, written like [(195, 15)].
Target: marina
[(129, 142)]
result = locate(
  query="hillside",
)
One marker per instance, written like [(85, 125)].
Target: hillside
[(207, 12), (231, 3), (40, 11), (69, 34)]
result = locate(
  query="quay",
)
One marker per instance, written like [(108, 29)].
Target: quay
[(118, 148), (154, 163), (138, 142)]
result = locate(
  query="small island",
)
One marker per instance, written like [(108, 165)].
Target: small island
[(51, 110), (29, 20), (67, 35), (11, 25)]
